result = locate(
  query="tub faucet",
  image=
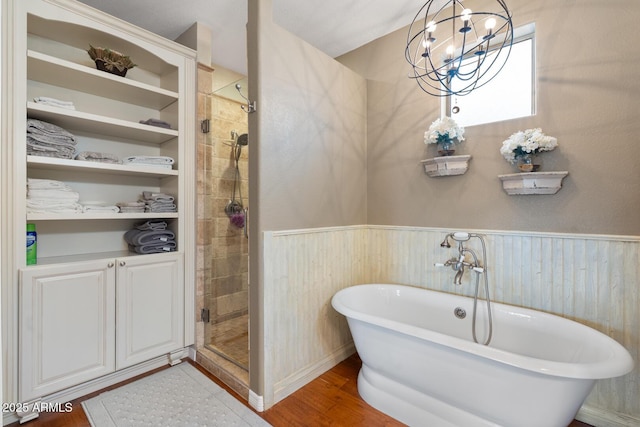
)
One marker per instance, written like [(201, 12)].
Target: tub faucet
[(474, 264), (459, 264), (457, 280), (456, 264)]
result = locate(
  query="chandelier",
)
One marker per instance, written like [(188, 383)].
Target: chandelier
[(454, 50)]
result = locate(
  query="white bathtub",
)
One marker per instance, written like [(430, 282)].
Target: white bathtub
[(421, 366)]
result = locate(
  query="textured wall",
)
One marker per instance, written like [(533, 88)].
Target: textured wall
[(308, 157), (590, 279), (587, 96)]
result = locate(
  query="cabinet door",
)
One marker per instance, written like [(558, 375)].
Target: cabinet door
[(150, 307), (67, 325)]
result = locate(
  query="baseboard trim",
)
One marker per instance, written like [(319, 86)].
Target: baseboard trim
[(600, 418), (301, 378), (256, 402)]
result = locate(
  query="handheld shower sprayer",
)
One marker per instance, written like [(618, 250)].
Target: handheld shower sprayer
[(458, 236)]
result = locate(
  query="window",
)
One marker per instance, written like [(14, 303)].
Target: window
[(509, 95)]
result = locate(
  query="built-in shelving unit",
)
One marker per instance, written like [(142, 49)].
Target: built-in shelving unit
[(121, 296), (106, 118)]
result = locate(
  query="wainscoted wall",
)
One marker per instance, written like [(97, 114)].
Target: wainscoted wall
[(303, 335), (589, 278)]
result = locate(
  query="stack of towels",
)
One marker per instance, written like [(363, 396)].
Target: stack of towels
[(158, 202), (153, 161), (49, 196), (49, 140), (151, 237)]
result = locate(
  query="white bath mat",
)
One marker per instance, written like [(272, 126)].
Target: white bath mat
[(180, 396)]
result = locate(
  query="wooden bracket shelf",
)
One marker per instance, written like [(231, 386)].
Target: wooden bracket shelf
[(446, 165), (532, 182)]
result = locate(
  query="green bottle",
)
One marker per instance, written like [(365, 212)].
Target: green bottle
[(32, 245)]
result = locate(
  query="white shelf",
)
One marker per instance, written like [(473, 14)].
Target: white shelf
[(51, 163), (75, 120), (93, 256), (532, 182), (446, 165), (95, 216), (59, 72)]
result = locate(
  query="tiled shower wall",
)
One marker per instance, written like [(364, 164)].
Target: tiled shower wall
[(222, 264), (592, 279)]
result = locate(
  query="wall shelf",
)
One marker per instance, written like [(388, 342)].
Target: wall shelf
[(52, 163), (532, 182), (92, 123), (446, 165)]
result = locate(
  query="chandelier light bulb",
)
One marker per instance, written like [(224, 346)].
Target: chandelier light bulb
[(490, 24), (431, 27), (450, 51), (466, 15)]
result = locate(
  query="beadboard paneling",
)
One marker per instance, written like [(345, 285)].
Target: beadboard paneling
[(303, 270), (590, 279)]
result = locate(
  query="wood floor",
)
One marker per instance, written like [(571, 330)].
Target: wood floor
[(330, 400)]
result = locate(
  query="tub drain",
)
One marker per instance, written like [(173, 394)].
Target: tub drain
[(460, 312)]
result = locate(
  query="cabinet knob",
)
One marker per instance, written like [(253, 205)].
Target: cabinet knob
[(122, 263), (110, 265)]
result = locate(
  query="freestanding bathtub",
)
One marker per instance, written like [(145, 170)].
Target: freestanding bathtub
[(421, 366)]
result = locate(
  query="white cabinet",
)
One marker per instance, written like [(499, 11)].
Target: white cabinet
[(150, 306), (79, 321), (67, 326)]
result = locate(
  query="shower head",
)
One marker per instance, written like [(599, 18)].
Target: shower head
[(458, 236), (243, 139)]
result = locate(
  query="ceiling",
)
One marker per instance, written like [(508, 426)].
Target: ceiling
[(333, 26)]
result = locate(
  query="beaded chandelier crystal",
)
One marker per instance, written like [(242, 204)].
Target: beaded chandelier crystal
[(454, 50)]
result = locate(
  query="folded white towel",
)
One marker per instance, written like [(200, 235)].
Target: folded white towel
[(54, 102), (100, 208), (53, 194), (159, 160), (47, 206), (42, 184), (94, 156)]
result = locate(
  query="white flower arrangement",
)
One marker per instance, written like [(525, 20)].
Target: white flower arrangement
[(443, 130), (530, 141)]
